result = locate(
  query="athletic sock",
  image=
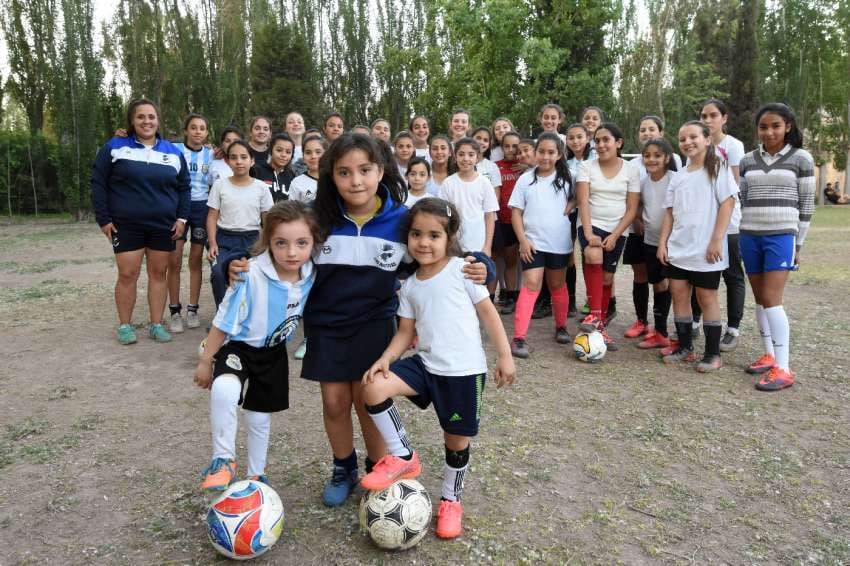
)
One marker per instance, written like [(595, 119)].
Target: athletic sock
[(764, 330), (696, 310), (780, 331), (524, 308), (368, 464), (192, 308), (571, 283), (349, 462), (455, 469), (606, 298), (683, 330), (661, 310), (712, 329), (257, 427), (560, 306), (492, 297), (224, 403), (175, 309), (640, 296), (386, 418), (593, 283)]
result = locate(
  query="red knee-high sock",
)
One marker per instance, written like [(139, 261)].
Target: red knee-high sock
[(606, 297), (593, 282), (522, 314), (560, 305)]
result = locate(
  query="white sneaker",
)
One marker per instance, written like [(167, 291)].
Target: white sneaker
[(175, 323), (192, 319)]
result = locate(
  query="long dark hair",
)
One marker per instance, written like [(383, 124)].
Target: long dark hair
[(563, 180), (586, 153), (451, 166), (486, 154), (188, 120), (327, 203), (665, 148), (712, 161), (391, 172), (794, 136)]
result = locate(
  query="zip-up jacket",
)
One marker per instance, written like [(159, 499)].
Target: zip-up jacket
[(278, 182), (134, 184)]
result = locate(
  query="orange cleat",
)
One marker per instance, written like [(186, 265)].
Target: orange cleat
[(449, 519), (761, 365), (653, 340), (639, 328), (389, 470), (674, 345), (218, 475), (776, 379)]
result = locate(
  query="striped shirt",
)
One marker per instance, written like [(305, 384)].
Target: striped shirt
[(777, 193), (198, 161), (263, 311)]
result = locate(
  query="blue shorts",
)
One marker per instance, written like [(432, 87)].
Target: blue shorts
[(130, 237), (196, 227), (457, 399), (609, 259), (768, 253)]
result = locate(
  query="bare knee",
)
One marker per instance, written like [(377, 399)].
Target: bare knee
[(336, 407)]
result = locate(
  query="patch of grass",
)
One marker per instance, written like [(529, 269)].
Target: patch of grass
[(25, 429), (61, 392), (831, 217), (39, 452), (45, 289), (88, 422), (7, 454)]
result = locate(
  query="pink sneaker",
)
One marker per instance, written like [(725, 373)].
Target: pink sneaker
[(637, 329), (449, 519), (389, 470)]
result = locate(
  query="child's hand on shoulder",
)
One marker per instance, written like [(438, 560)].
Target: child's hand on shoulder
[(475, 270), (235, 270), (381, 367), (203, 374), (505, 371)]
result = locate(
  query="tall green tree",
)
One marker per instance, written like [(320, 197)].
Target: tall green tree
[(28, 28), (744, 80)]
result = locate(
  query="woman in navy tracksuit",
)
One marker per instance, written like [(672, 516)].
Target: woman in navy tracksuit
[(141, 195)]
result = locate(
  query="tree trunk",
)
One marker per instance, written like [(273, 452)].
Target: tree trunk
[(32, 176)]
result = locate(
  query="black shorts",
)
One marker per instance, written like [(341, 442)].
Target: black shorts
[(701, 279), (131, 237), (633, 252), (504, 236), (547, 260), (196, 227), (457, 399), (654, 268), (344, 354), (264, 373), (609, 259)]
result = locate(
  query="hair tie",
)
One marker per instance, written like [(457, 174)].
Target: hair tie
[(448, 211)]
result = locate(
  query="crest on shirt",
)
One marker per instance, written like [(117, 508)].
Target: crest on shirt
[(205, 168), (283, 331), (166, 158), (233, 362), (386, 256), (326, 249)]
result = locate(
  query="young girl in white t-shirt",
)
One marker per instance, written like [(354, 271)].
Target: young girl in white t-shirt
[(658, 161), (442, 308), (418, 175), (608, 195), (420, 127), (404, 151), (693, 245), (473, 195), (538, 204), (237, 206), (551, 117), (498, 129), (485, 166), (442, 164), (303, 187)]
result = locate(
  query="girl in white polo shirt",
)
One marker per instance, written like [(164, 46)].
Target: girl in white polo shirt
[(538, 204), (608, 194), (692, 245)]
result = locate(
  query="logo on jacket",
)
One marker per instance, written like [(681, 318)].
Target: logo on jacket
[(166, 158), (326, 249), (386, 253)]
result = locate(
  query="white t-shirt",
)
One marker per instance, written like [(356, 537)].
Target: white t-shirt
[(652, 196), (433, 188), (239, 208), (608, 196), (413, 199), (424, 153), (546, 225), (490, 170), (497, 154), (402, 170), (297, 153), (303, 188), (695, 200), (218, 169), (731, 149), (473, 200), (446, 320), (638, 162)]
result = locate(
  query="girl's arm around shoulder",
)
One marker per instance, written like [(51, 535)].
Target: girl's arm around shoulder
[(505, 368), (398, 345)]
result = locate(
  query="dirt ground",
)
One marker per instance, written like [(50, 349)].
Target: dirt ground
[(627, 461)]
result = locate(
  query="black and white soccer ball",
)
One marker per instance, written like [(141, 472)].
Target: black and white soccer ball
[(398, 517)]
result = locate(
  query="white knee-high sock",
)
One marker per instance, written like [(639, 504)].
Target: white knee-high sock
[(257, 427), (386, 418), (780, 330), (224, 400), (764, 330)]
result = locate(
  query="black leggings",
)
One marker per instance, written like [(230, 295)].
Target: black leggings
[(736, 287)]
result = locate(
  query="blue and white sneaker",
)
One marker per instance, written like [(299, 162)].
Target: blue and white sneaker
[(126, 334), (339, 487), (262, 478), (301, 350), (158, 333)]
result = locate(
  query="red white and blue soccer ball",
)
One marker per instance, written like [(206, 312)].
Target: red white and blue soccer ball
[(246, 520), (398, 517)]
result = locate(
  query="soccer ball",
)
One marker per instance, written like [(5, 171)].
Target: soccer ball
[(246, 520), (201, 347), (589, 346), (398, 517)]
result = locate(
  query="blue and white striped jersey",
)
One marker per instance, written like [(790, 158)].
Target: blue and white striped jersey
[(263, 311), (198, 162)]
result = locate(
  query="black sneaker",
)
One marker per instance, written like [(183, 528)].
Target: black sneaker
[(519, 348), (502, 298), (541, 311), (572, 312), (729, 342), (509, 307), (612, 312), (562, 336)]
